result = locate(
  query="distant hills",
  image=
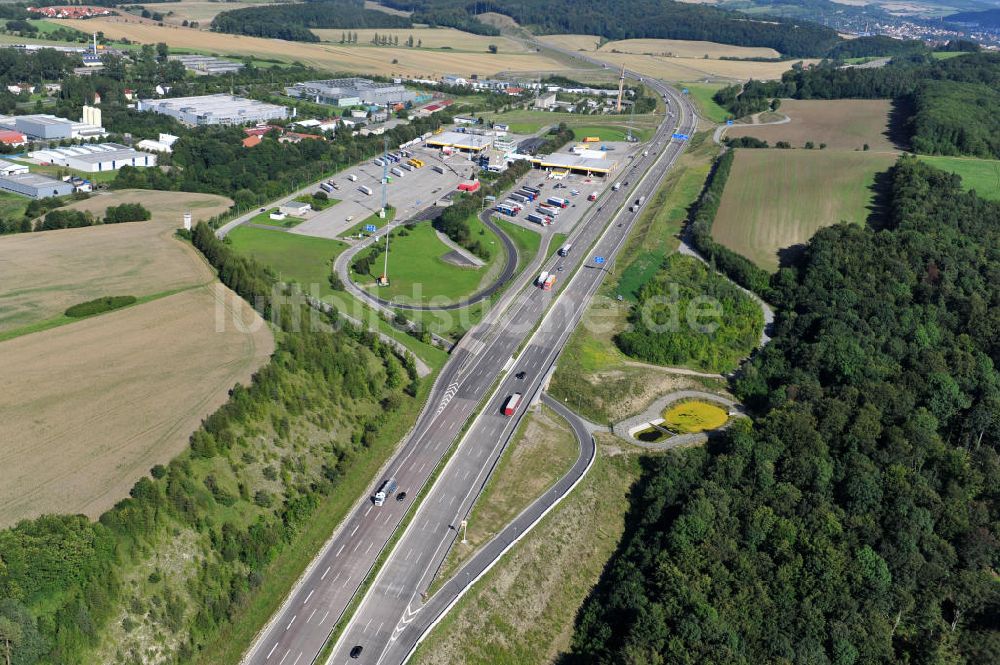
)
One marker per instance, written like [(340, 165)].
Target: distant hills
[(989, 18)]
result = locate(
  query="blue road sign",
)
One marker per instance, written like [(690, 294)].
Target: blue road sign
[(370, 227), (729, 122), (598, 260), (684, 91), (682, 137)]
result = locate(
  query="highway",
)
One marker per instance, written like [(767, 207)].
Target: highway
[(299, 630)]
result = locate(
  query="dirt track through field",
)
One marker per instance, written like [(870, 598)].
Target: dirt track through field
[(89, 407), (842, 124)]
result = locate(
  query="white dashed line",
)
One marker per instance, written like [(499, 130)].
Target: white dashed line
[(271, 651), (291, 622), (309, 596)]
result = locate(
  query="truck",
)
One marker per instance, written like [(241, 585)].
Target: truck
[(615, 187), (325, 187), (396, 172), (549, 281), (386, 489), (544, 275), (379, 162), (531, 196), (437, 169), (533, 190), (645, 153), (557, 201), (592, 196), (519, 198), (507, 209), (418, 163), (364, 189), (408, 167), (510, 406), (564, 250), (352, 177), (548, 210), (536, 218)]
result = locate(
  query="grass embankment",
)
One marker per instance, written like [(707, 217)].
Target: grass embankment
[(543, 450), (308, 261), (609, 127), (981, 175), (777, 199), (522, 611), (526, 240), (264, 219), (418, 270), (279, 576), (702, 93)]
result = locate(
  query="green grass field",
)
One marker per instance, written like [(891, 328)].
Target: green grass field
[(608, 127), (418, 271), (776, 199), (702, 95), (264, 219), (374, 219), (12, 205), (527, 241), (982, 175)]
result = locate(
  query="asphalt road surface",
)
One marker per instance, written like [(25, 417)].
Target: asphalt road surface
[(299, 630)]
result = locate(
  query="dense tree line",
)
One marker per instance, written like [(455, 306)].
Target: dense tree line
[(856, 520), (687, 315), (699, 231), (126, 212), (293, 21), (954, 118), (99, 305), (243, 490), (876, 46), (628, 19)]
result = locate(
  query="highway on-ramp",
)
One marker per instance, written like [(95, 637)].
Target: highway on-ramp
[(298, 631)]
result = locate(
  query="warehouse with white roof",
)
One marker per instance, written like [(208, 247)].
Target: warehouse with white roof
[(218, 109), (94, 158)]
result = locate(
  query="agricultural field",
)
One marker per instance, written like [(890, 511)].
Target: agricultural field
[(333, 57), (522, 612), (431, 38), (982, 175), (44, 273), (677, 48), (842, 124), (695, 69), (201, 11), (776, 199)]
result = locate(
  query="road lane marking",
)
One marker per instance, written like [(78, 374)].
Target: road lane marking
[(339, 551), (324, 573), (324, 618), (355, 529), (387, 516), (368, 511), (311, 616), (309, 596), (284, 657), (347, 581), (291, 622), (297, 659), (271, 651), (369, 547), (408, 554)]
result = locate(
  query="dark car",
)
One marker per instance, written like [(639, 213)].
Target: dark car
[(356, 651), (401, 496), (520, 375)]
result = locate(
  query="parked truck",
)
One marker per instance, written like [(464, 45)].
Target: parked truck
[(437, 169), (507, 209), (533, 190), (510, 406), (386, 489), (519, 198), (352, 177), (396, 171), (326, 187), (531, 196), (552, 211), (364, 189), (557, 201), (537, 219), (378, 162)]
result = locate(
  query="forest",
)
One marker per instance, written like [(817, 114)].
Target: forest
[(945, 96), (628, 19), (688, 316), (293, 21), (856, 519), (255, 473)]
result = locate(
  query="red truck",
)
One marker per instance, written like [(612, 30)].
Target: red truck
[(510, 406)]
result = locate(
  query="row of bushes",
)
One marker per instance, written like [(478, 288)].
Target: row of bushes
[(737, 267), (99, 305), (72, 219)]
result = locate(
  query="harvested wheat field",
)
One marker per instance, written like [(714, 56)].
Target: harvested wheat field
[(695, 69), (331, 57), (45, 272), (201, 10), (430, 38), (842, 124), (90, 407), (677, 48)]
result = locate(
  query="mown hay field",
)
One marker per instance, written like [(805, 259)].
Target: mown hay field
[(842, 124), (89, 407), (45, 272), (775, 199), (430, 38), (91, 404), (331, 57), (678, 48)]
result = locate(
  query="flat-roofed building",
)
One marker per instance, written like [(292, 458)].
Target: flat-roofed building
[(10, 168), (466, 142), (575, 164), (35, 186), (94, 158), (351, 92), (218, 109)]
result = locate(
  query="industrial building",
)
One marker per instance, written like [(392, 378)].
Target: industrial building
[(10, 168), (576, 164), (218, 109), (207, 64), (350, 92), (165, 143), (94, 158), (545, 101), (50, 128), (465, 142), (35, 186)]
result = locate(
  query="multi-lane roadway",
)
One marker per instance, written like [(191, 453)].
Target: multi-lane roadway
[(483, 366)]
